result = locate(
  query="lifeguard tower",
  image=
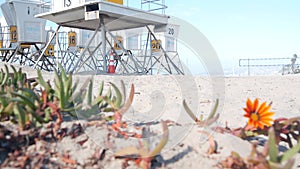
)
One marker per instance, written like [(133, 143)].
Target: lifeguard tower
[(24, 36), (105, 21), (92, 35)]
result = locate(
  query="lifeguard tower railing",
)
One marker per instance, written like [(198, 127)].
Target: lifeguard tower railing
[(158, 6), (154, 5)]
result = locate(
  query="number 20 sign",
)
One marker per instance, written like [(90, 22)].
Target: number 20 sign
[(172, 30)]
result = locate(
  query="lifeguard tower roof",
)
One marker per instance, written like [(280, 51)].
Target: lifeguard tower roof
[(116, 17)]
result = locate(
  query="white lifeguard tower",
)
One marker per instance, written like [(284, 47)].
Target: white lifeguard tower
[(140, 40), (24, 36)]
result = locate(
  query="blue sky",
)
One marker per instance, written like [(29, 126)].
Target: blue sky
[(243, 29)]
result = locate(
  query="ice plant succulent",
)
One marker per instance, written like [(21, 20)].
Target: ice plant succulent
[(212, 117), (259, 115), (267, 158), (143, 155)]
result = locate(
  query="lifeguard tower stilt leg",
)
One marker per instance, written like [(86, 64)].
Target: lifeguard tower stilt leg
[(45, 48)]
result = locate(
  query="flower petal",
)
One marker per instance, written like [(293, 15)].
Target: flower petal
[(247, 115), (247, 110), (262, 106), (250, 122), (256, 124), (249, 105), (255, 105), (265, 109), (267, 119), (260, 125), (266, 114)]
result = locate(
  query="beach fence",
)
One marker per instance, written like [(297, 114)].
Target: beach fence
[(284, 65)]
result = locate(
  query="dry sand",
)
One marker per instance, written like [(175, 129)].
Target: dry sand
[(160, 97)]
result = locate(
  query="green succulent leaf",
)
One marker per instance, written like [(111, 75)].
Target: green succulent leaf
[(210, 121), (274, 165), (68, 87), (9, 108), (14, 70), (97, 101), (6, 76), (1, 75), (101, 88), (21, 76), (163, 141), (62, 72), (15, 75), (214, 110), (109, 93), (21, 115), (289, 164), (31, 93), (90, 93), (189, 111), (25, 100), (290, 153), (123, 90), (273, 149), (118, 98), (60, 91), (129, 101), (110, 102), (43, 83)]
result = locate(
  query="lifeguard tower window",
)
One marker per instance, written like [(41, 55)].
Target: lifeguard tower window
[(93, 7)]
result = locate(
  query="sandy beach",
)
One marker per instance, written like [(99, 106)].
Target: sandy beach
[(160, 97)]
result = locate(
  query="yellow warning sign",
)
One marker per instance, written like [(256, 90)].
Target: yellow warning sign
[(50, 50), (116, 1), (72, 38), (156, 45), (13, 34), (117, 45)]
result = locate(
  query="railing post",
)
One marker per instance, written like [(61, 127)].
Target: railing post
[(248, 67)]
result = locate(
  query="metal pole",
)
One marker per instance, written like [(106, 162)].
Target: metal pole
[(91, 55), (248, 67), (103, 36), (85, 49), (136, 63), (166, 55), (151, 52), (48, 43)]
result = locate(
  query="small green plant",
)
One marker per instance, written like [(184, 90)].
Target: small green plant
[(19, 101), (287, 130), (117, 104), (277, 159), (260, 122), (212, 117), (64, 90), (143, 155), (270, 157), (28, 109)]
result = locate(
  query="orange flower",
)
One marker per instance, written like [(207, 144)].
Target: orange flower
[(259, 116)]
